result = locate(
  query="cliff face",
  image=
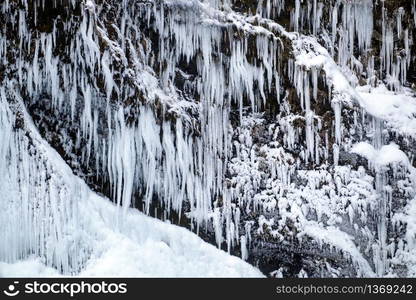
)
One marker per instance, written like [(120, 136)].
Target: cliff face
[(281, 131)]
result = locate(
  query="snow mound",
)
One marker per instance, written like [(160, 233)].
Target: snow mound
[(386, 155), (31, 267), (140, 247), (397, 109), (147, 247)]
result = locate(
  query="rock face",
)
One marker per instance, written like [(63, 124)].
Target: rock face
[(282, 131)]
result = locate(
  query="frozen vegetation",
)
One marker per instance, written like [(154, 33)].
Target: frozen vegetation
[(283, 132)]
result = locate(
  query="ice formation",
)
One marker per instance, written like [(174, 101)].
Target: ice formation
[(65, 228), (269, 126)]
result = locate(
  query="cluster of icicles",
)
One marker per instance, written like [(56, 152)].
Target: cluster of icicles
[(163, 159), (39, 211), (352, 27)]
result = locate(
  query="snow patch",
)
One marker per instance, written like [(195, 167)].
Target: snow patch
[(397, 109), (387, 155)]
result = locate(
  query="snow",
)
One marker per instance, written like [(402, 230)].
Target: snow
[(391, 154), (310, 54), (90, 5), (86, 234), (364, 149), (31, 267), (381, 159), (341, 241), (406, 251), (397, 109), (190, 162), (318, 202), (147, 247), (144, 247)]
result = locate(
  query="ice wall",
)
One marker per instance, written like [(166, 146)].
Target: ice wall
[(159, 101)]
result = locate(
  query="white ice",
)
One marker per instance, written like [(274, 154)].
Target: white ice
[(387, 155), (145, 247), (398, 109)]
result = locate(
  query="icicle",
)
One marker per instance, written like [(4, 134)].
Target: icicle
[(387, 50), (363, 19), (414, 11), (334, 18), (243, 241), (337, 106), (40, 204), (295, 16), (400, 14)]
